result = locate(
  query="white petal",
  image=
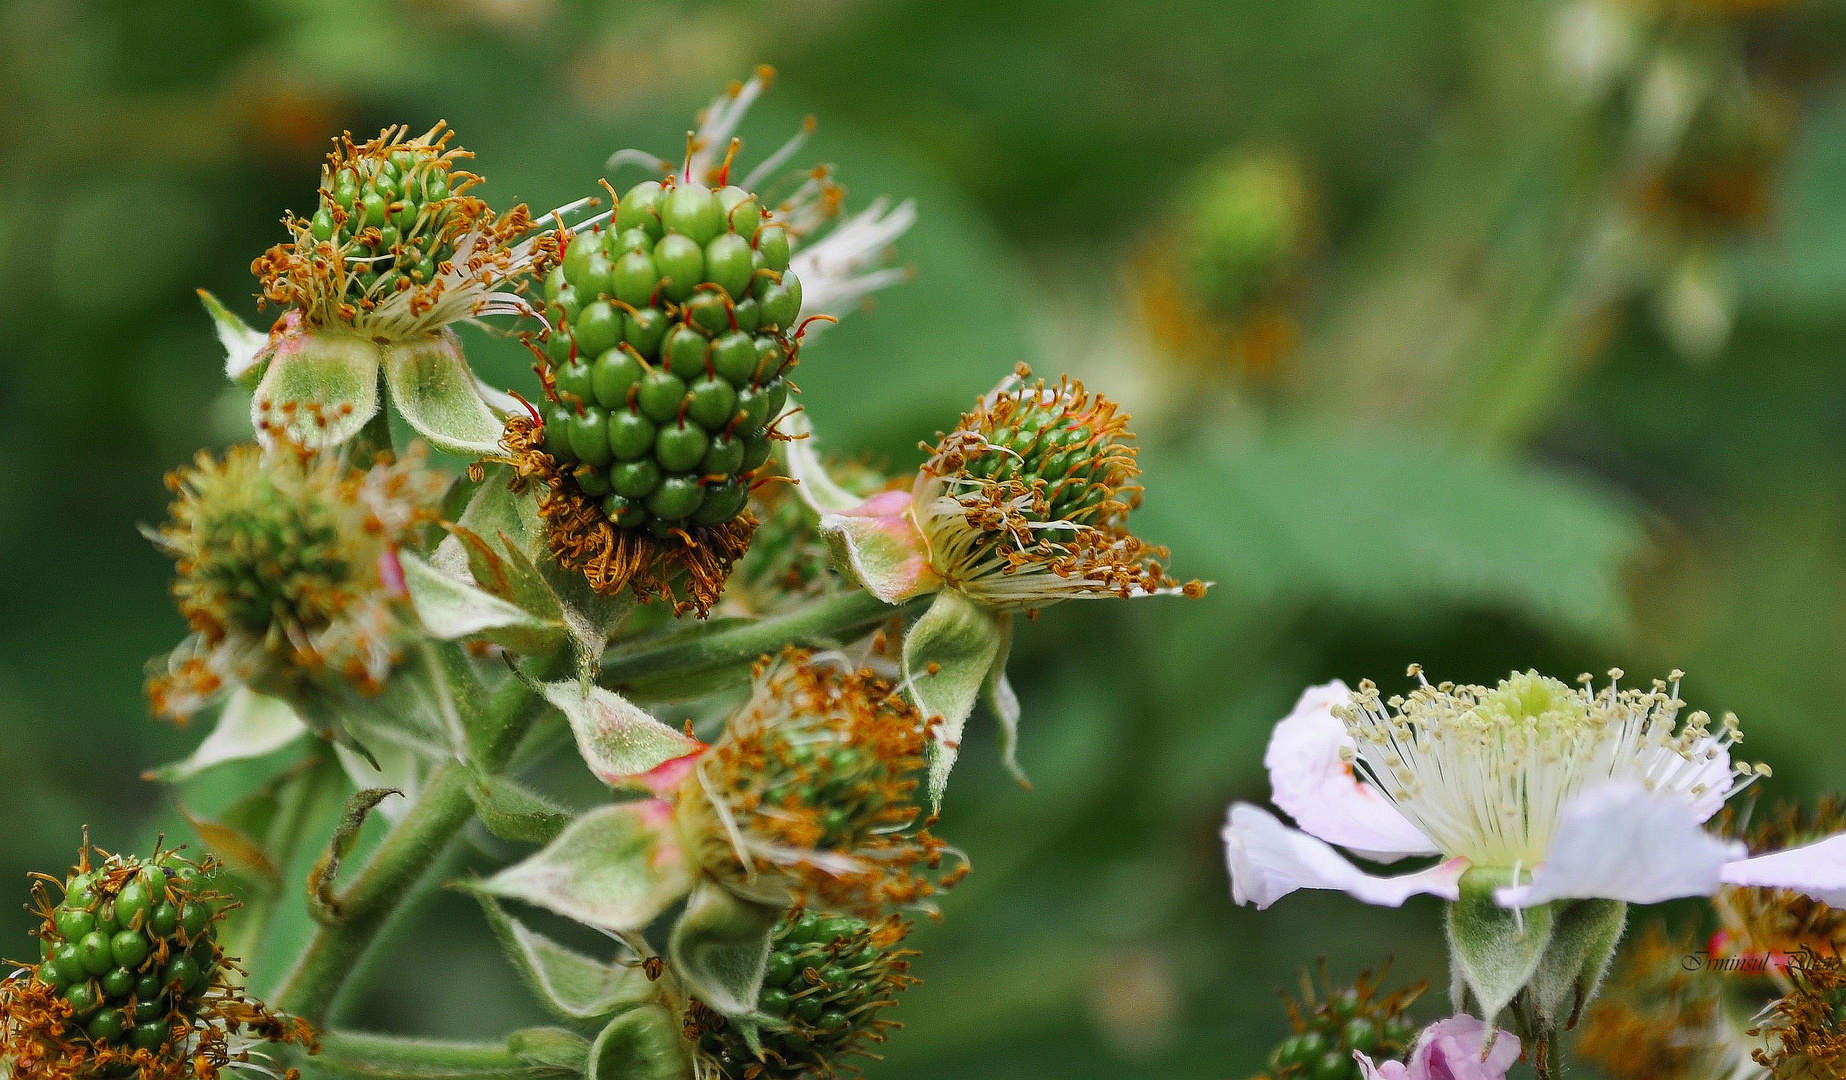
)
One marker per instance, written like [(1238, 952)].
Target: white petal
[(1313, 784), (1621, 841), (1268, 860), (1817, 869)]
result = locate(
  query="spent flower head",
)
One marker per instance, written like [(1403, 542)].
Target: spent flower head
[(288, 573), (813, 786), (1806, 1028), (1026, 502), (131, 981), (828, 981), (396, 247)]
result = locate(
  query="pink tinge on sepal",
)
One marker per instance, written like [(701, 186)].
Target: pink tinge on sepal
[(665, 778), (885, 504), (884, 546), (391, 572)]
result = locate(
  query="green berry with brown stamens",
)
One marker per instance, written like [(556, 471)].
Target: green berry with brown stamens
[(673, 323), (827, 982)]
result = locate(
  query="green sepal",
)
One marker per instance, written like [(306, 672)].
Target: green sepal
[(432, 388), (1584, 935), (512, 811), (566, 982), (997, 692), (1496, 949), (948, 654), (320, 388), (551, 1048), (720, 948), (643, 1043), (243, 344), (250, 725), (452, 608), (621, 742), (615, 868)]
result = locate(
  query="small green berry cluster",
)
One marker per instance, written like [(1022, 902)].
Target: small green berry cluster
[(1076, 443), (130, 946), (827, 980), (1328, 1032), (383, 212), (671, 331)]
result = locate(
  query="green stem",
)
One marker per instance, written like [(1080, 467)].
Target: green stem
[(384, 1057), (294, 814), (821, 622), (407, 852)]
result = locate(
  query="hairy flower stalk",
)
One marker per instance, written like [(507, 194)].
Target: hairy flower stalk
[(810, 794), (288, 575), (828, 980), (131, 981)]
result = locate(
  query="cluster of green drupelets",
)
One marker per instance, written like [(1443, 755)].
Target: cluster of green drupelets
[(827, 980), (384, 216), (1328, 1032), (271, 561), (671, 330), (130, 946), (1041, 441)]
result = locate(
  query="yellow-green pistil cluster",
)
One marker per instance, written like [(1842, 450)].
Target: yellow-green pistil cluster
[(672, 329)]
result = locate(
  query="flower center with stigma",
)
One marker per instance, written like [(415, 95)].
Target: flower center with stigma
[(1485, 773)]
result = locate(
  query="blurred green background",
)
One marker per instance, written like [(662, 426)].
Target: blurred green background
[(1480, 334)]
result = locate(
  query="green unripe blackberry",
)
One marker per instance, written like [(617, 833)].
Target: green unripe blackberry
[(670, 338), (827, 981), (131, 943), (1328, 1029)]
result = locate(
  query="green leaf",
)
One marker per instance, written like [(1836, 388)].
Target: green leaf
[(1388, 522), (512, 811), (720, 948), (251, 725), (948, 654), (641, 1044), (615, 868), (1497, 950), (573, 985), (1000, 699), (432, 388), (451, 608), (320, 389), (621, 743), (243, 345)]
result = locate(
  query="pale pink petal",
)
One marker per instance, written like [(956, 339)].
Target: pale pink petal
[(1268, 860), (1451, 1049), (1621, 841), (1390, 1070), (1313, 784), (1817, 869)]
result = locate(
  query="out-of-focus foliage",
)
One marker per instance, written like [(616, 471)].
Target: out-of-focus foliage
[(1493, 394)]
